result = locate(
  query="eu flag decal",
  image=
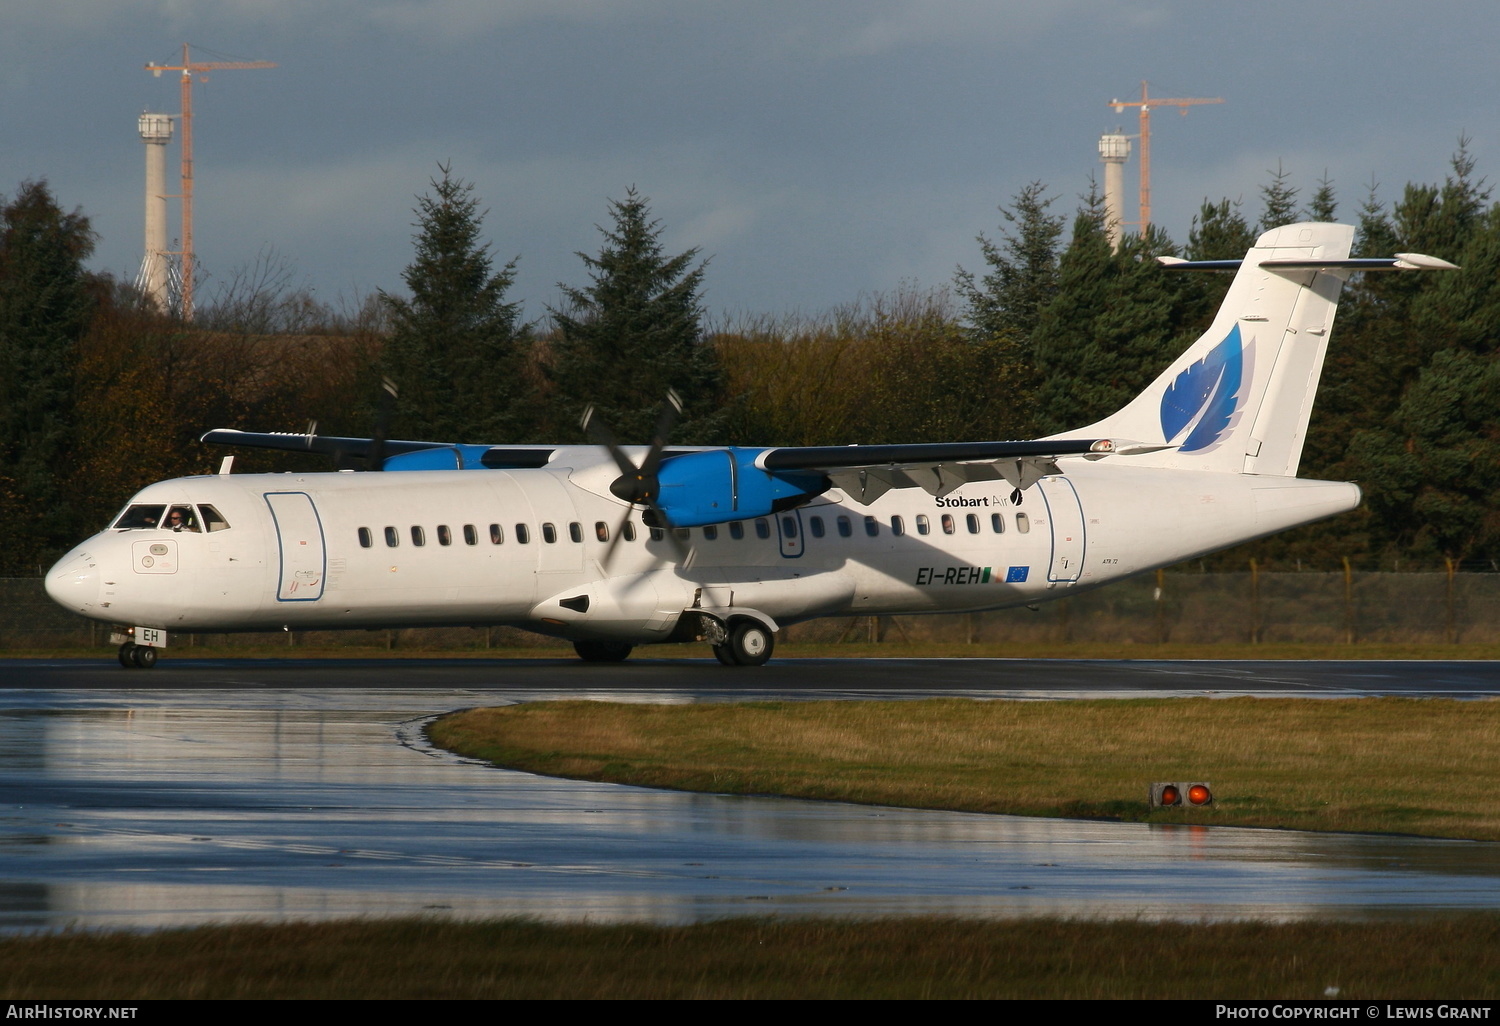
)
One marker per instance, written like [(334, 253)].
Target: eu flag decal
[(1017, 574)]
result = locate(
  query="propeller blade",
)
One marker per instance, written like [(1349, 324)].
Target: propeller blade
[(382, 424), (600, 434), (665, 421), (614, 541), (680, 547)]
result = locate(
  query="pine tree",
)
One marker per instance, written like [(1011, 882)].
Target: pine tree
[(1280, 200), (455, 348), (46, 298), (1218, 232), (1324, 205), (1115, 323), (1022, 276), (633, 333)]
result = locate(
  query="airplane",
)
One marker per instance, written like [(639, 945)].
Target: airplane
[(611, 546)]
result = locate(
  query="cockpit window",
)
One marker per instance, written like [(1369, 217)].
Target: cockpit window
[(212, 519), (182, 518), (139, 518)]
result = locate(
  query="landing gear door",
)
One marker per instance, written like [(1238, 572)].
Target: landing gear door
[(1065, 516), (299, 534)]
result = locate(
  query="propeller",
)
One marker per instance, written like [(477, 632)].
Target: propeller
[(638, 485), (382, 424)]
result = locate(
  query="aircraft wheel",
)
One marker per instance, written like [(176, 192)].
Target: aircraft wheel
[(127, 655), (750, 644), (602, 651), (724, 654), (144, 656)]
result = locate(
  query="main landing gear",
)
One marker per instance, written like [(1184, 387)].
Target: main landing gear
[(602, 651), (748, 644), (137, 657)]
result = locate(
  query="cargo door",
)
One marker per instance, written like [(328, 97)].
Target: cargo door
[(299, 535), (1065, 516)]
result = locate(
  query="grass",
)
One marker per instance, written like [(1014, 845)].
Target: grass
[(1378, 765), (767, 958)]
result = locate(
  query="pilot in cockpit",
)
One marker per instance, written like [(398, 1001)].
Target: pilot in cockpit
[(181, 519)]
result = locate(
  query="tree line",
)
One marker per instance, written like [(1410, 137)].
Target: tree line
[(101, 392)]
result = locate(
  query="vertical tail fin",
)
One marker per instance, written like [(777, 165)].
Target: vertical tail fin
[(1238, 400)]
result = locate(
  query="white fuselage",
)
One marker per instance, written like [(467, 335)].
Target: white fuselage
[(341, 550)]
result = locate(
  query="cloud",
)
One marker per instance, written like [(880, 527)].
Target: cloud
[(881, 28)]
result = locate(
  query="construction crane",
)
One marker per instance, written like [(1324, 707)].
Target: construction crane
[(188, 69), (1145, 103)]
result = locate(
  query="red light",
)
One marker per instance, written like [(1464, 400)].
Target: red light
[(1199, 795), (1171, 796)]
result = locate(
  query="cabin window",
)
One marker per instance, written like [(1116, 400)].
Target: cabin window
[(789, 527), (549, 534), (497, 535), (523, 534), (1023, 523), (418, 536), (997, 523), (682, 533), (365, 538), (762, 528), (948, 526), (816, 526), (139, 518), (898, 526), (973, 521), (392, 537), (445, 536), (845, 528), (629, 531), (657, 534), (213, 520), (711, 532), (872, 526), (471, 536), (601, 530), (575, 532), (923, 527), (736, 530)]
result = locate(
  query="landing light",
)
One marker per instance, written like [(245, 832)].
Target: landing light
[(1177, 795)]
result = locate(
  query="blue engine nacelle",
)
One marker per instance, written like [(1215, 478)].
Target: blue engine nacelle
[(721, 485)]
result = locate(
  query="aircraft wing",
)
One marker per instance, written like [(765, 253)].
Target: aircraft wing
[(439, 455), (866, 472), (326, 445)]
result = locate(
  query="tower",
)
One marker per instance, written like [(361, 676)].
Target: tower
[(1114, 150), (156, 132)]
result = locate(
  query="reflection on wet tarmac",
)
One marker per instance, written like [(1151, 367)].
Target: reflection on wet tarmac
[(157, 808)]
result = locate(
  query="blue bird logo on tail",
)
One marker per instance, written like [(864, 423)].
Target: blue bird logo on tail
[(1204, 400)]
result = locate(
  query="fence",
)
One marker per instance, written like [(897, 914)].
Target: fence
[(1194, 608)]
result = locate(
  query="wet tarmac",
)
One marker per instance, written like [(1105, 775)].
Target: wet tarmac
[(1073, 678), (230, 799)]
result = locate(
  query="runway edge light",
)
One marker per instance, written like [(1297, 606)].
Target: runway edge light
[(1173, 795)]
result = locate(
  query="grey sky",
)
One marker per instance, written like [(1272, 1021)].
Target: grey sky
[(815, 150)]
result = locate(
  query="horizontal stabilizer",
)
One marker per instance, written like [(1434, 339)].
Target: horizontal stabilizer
[(1399, 262)]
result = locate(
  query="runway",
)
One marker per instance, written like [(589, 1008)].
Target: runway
[(214, 791), (1010, 678)]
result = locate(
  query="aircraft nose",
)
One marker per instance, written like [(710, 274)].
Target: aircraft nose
[(73, 582)]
